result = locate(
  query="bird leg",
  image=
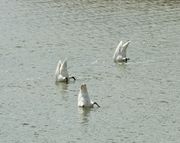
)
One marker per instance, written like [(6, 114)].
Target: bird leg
[(72, 77), (95, 103)]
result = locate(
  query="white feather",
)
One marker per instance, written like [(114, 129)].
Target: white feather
[(61, 73), (83, 97), (63, 69), (123, 49), (117, 51), (57, 72), (120, 52)]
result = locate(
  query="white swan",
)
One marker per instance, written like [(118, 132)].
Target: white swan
[(83, 98), (120, 52), (61, 72)]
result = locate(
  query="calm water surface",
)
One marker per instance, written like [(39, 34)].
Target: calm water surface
[(140, 100)]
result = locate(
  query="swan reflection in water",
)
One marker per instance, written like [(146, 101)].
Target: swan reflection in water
[(84, 114)]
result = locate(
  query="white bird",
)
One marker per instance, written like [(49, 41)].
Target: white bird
[(61, 72), (120, 52), (83, 98)]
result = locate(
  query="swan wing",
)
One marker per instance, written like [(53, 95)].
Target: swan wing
[(118, 50), (123, 49), (57, 72), (63, 69)]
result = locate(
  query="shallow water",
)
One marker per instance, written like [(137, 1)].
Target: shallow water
[(139, 101)]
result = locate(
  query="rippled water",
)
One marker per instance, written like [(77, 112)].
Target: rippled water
[(140, 100)]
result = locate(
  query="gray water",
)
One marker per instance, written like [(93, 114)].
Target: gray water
[(140, 100)]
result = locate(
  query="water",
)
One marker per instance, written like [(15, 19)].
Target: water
[(139, 101)]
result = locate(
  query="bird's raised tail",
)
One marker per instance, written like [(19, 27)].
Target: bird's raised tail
[(57, 72)]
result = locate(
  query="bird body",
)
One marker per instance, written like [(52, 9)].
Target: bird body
[(61, 73), (120, 52), (83, 98)]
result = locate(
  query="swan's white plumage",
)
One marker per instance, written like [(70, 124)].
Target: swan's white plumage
[(63, 69), (117, 51), (57, 72), (83, 97), (123, 49), (120, 52), (61, 73)]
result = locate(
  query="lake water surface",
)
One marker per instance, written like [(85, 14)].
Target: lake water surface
[(140, 100)]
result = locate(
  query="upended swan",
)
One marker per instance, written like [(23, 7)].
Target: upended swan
[(83, 98), (120, 52), (61, 72)]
